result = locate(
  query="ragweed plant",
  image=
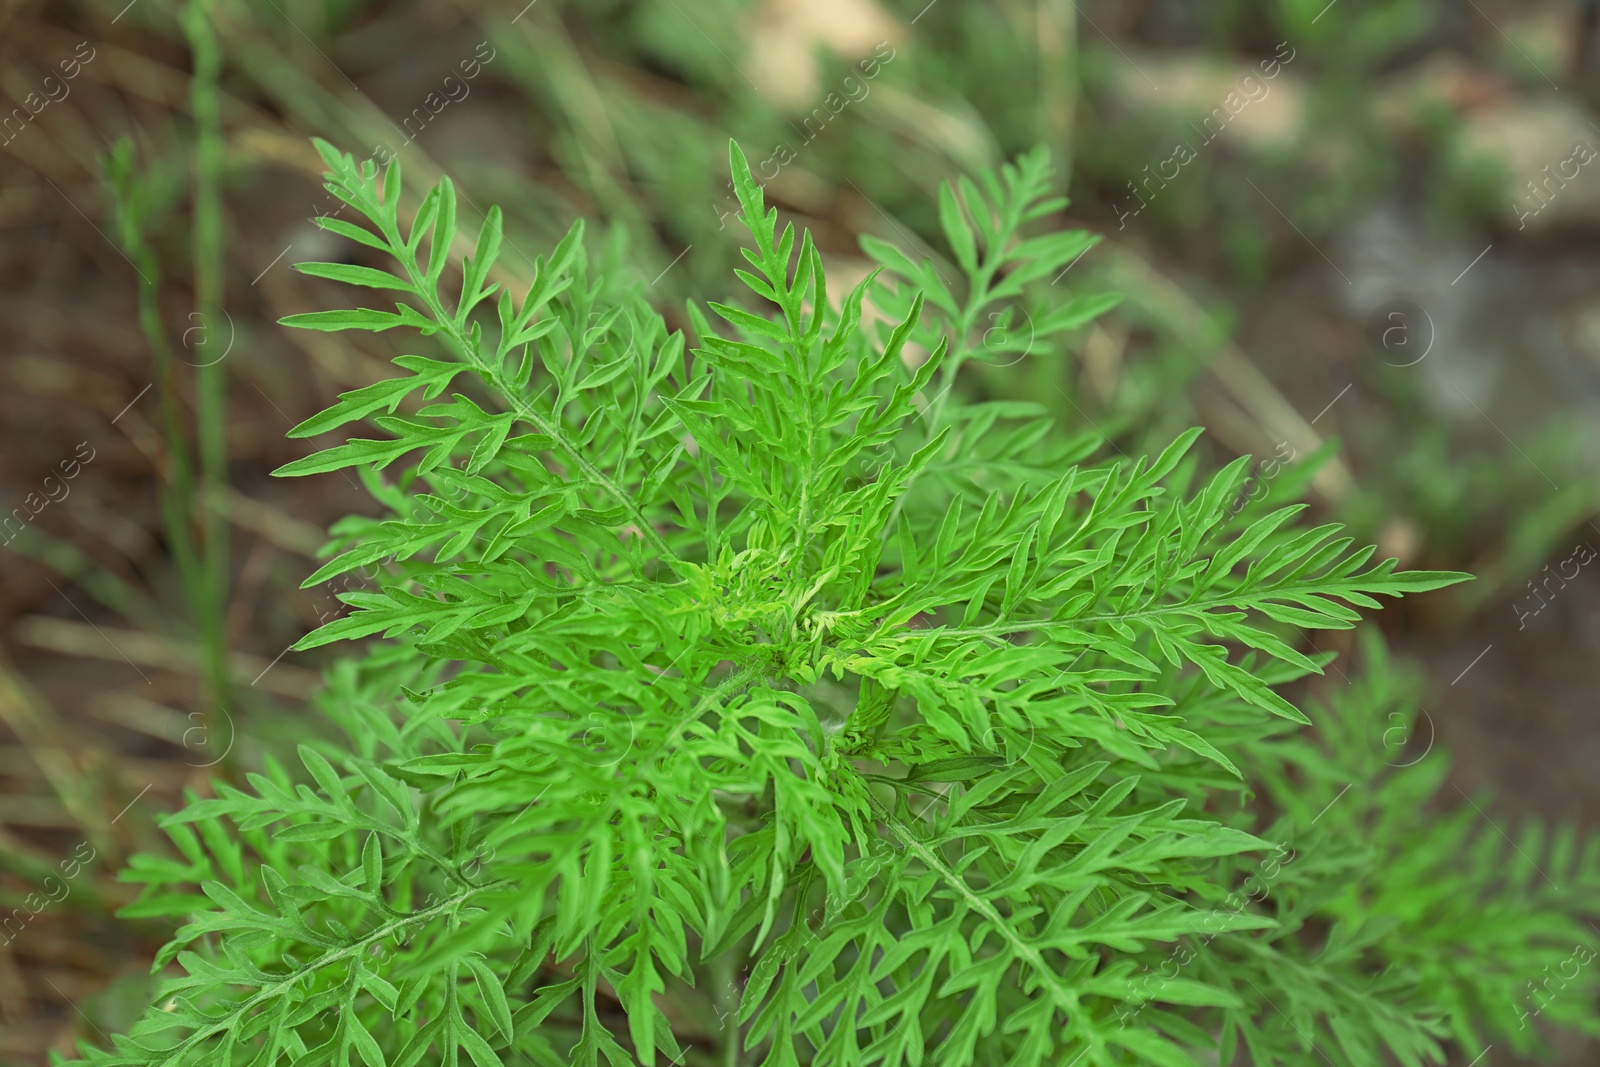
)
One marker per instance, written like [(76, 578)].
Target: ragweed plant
[(750, 697)]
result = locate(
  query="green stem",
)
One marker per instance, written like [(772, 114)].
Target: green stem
[(726, 969), (1056, 23), (425, 291), (178, 494), (243, 1009), (211, 378), (1021, 948)]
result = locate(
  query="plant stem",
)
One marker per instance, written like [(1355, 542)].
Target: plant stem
[(1056, 33), (462, 344), (177, 494), (211, 378), (726, 968)]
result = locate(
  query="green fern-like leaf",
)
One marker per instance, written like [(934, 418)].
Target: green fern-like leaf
[(750, 694)]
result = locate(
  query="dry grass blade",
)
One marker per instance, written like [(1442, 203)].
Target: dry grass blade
[(1271, 417), (104, 642), (34, 722)]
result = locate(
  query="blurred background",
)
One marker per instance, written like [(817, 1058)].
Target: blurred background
[(1370, 227)]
